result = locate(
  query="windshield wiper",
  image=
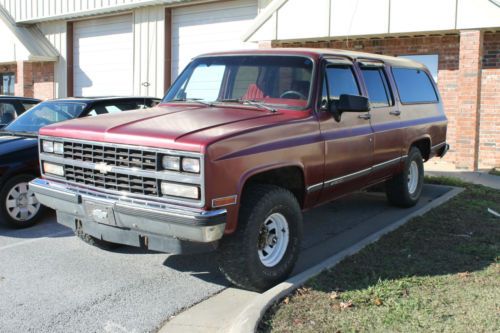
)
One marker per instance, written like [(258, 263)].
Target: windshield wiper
[(192, 100), (249, 102)]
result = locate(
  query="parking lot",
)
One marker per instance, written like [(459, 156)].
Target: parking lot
[(52, 282)]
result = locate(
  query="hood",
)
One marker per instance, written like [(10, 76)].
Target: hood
[(165, 126), (12, 143)]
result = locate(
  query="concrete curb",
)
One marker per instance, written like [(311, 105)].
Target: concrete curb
[(248, 320)]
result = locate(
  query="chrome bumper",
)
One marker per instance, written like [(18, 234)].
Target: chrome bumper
[(148, 224)]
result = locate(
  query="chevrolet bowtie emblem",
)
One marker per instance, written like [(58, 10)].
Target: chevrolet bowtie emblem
[(103, 167)]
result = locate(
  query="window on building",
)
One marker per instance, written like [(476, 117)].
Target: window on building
[(414, 86), (341, 80), (429, 60), (377, 86), (7, 81)]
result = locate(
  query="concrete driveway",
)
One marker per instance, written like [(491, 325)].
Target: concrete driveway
[(52, 282)]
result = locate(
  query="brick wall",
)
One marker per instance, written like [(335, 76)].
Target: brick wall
[(447, 47), (489, 134), (35, 79), (43, 78)]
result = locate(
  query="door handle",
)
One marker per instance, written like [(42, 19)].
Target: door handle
[(395, 112), (365, 116)]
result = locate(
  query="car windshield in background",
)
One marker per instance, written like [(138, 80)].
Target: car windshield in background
[(44, 114), (283, 81)]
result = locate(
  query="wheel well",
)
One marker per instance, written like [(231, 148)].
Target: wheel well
[(424, 145), (290, 178)]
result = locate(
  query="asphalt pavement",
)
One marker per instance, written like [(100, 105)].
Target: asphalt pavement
[(52, 282)]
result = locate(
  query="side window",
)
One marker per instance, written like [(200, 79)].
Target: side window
[(341, 80), (28, 105), (7, 113), (112, 108), (414, 86), (377, 86)]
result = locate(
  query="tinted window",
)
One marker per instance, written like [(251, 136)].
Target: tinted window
[(7, 113), (414, 86), (378, 89), (113, 108), (29, 105), (341, 80)]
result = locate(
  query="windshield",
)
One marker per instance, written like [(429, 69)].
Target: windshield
[(283, 81), (44, 114)]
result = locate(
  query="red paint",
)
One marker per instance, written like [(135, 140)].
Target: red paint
[(241, 141)]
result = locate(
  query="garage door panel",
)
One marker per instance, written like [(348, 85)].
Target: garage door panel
[(209, 28), (103, 56)]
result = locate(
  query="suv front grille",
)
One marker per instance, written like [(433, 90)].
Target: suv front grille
[(112, 181), (115, 156)]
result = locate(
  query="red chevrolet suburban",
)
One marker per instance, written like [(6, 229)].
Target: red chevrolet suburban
[(241, 144)]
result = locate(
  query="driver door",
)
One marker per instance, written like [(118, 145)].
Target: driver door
[(348, 141)]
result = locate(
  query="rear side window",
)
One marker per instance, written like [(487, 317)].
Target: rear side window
[(414, 86), (340, 80), (377, 86)]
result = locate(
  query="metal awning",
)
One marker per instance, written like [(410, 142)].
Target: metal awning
[(23, 43)]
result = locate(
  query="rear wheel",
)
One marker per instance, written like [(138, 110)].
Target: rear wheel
[(264, 249), (404, 189), (19, 207)]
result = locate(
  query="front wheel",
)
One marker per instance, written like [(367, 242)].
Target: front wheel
[(404, 189), (93, 241), (264, 249), (19, 207)]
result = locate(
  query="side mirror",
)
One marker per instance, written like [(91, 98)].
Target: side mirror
[(353, 103)]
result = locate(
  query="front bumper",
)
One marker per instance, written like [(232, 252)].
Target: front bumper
[(126, 221)]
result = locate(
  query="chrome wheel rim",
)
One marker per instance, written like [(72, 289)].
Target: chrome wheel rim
[(273, 240), (21, 203), (413, 177)]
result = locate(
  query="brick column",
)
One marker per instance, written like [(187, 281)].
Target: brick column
[(469, 91), (24, 79)]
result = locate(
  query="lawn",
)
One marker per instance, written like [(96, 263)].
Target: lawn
[(439, 272)]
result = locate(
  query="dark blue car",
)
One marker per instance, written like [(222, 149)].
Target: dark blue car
[(19, 149)]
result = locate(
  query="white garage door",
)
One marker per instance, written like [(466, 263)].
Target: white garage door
[(209, 28), (103, 56)]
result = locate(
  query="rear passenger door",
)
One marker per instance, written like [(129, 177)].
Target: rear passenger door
[(385, 120)]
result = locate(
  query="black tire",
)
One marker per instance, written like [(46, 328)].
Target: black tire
[(238, 255), (398, 188), (19, 216), (91, 240)]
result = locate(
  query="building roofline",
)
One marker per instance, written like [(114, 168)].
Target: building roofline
[(109, 10)]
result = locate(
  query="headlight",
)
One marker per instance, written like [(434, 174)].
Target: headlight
[(54, 169), (53, 147), (48, 146), (191, 165), (171, 163), (179, 190), (58, 148)]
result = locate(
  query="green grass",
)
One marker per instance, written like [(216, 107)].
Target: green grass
[(495, 172), (440, 272)]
